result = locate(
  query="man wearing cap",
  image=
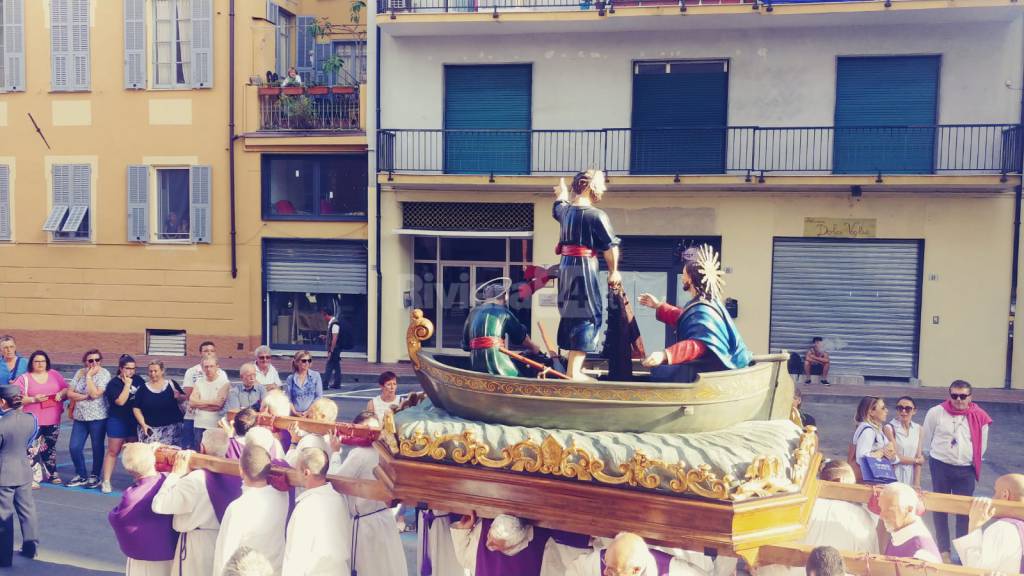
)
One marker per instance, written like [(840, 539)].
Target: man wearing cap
[(17, 430)]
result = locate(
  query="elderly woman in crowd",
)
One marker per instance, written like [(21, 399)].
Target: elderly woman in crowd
[(44, 391), (156, 408), (304, 384), (89, 415), (121, 423), (266, 374), (12, 365)]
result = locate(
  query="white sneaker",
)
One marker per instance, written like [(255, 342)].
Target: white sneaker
[(106, 488)]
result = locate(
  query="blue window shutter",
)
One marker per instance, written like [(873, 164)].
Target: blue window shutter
[(60, 45), (135, 44), (13, 46), (304, 46), (322, 52), (202, 43), (79, 44), (886, 110), (5, 202), (62, 184), (81, 190), (138, 203), (482, 98), (200, 195), (272, 11)]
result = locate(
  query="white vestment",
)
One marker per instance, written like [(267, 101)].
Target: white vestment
[(590, 565), (319, 535), (257, 520), (994, 548), (194, 519), (842, 525), (379, 550), (558, 557), (307, 441), (439, 547), (147, 568)]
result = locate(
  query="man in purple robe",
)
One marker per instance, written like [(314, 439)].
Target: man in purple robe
[(908, 535), (505, 545), (148, 539)]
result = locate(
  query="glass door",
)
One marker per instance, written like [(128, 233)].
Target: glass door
[(459, 284)]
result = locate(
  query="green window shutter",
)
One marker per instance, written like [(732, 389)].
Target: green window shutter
[(60, 45), (200, 194), (5, 202), (202, 43), (135, 44), (12, 49), (79, 26), (138, 203)]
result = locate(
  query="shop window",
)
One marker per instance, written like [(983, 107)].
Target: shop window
[(295, 321), (314, 187)]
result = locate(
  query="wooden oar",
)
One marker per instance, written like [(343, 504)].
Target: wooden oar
[(544, 370), (556, 360)]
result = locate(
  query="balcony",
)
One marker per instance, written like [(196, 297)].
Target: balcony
[(745, 150), (317, 108), (603, 7)]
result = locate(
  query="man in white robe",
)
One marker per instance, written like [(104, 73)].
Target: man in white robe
[(995, 546), (434, 545), (377, 549), (836, 523), (185, 495), (320, 528), (627, 554), (257, 518)]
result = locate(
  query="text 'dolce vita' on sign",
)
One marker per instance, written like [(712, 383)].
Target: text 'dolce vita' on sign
[(839, 227)]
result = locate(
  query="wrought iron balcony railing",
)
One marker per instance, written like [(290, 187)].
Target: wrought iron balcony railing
[(309, 109), (601, 6), (959, 148)]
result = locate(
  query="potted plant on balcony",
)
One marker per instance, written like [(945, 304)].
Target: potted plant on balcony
[(314, 89), (293, 90), (298, 110), (272, 89)]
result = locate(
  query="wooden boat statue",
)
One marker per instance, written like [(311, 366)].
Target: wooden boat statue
[(716, 400)]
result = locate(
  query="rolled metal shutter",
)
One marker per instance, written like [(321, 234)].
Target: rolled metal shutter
[(862, 296), (487, 111), (321, 266)]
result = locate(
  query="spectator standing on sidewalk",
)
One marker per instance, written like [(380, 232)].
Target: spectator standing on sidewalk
[(304, 384), (332, 338), (905, 434), (89, 416), (187, 383), (12, 365), (209, 394), (816, 361), (266, 374), (121, 424), (955, 436), (44, 391)]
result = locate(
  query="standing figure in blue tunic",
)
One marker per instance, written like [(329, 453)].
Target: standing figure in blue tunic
[(708, 339), (585, 233)]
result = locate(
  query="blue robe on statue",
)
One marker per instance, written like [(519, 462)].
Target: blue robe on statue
[(709, 322)]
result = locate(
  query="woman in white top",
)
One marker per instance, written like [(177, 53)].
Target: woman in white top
[(388, 400), (208, 397), (905, 434), (266, 374), (868, 439)]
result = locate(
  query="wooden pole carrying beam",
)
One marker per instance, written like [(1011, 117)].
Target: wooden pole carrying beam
[(344, 429), (859, 563), (948, 503)]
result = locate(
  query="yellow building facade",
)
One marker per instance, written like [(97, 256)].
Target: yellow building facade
[(116, 142)]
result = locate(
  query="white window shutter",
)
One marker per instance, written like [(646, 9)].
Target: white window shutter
[(80, 78), (60, 45), (138, 203), (13, 46), (135, 44), (5, 202), (200, 195), (202, 43)]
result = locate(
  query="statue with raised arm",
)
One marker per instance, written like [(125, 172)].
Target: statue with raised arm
[(585, 234), (708, 339)]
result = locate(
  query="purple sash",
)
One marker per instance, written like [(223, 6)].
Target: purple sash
[(526, 562), (223, 490), (141, 533), (426, 566), (662, 560), (911, 546), (234, 450)]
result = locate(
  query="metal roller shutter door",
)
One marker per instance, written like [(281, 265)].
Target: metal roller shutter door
[(325, 266), (489, 108), (863, 297)]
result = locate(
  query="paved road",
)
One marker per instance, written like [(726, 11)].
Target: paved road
[(76, 539)]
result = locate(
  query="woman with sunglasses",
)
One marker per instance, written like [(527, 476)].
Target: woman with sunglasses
[(44, 391), (266, 374), (89, 417), (868, 440), (905, 435), (304, 385), (121, 422)]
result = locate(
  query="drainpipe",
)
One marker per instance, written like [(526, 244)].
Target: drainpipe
[(1015, 268), (376, 181), (231, 135)]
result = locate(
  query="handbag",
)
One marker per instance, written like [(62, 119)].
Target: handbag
[(877, 470)]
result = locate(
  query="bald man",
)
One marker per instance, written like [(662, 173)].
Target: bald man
[(146, 538), (627, 554), (996, 546)]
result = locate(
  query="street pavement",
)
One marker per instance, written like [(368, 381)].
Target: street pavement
[(77, 541)]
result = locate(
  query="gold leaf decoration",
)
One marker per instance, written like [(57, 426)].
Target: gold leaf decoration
[(420, 329)]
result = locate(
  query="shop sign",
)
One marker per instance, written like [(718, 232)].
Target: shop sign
[(840, 227)]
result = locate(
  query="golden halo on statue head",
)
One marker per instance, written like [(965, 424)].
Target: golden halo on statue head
[(712, 280), (479, 296)]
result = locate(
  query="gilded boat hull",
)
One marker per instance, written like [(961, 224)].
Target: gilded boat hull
[(717, 400)]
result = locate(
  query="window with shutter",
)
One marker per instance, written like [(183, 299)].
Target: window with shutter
[(79, 25), (135, 44), (172, 204), (200, 193), (5, 202), (304, 46), (69, 216), (138, 203), (202, 43), (60, 45), (172, 43), (12, 45)]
